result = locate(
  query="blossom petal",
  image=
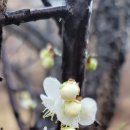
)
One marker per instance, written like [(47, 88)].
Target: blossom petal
[(51, 87), (88, 111), (47, 102), (63, 118)]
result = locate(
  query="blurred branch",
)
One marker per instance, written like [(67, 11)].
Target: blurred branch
[(24, 80), (31, 39), (56, 19), (27, 15), (7, 72), (36, 40), (103, 84), (29, 88)]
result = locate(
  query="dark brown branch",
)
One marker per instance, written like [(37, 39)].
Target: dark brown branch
[(27, 15), (74, 40), (7, 72)]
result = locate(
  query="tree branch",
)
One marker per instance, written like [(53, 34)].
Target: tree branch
[(27, 15), (74, 44)]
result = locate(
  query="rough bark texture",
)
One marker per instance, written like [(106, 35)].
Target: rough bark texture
[(103, 84)]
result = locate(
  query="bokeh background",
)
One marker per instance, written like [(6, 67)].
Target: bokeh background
[(22, 46)]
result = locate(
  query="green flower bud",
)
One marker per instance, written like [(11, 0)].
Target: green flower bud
[(48, 62), (92, 64)]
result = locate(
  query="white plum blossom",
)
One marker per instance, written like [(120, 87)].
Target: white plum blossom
[(51, 87), (84, 114), (70, 112)]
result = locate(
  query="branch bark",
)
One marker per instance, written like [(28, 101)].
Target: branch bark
[(74, 44), (27, 15)]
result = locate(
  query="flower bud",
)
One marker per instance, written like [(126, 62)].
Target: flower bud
[(47, 57), (26, 101), (92, 64), (72, 108), (48, 62), (44, 53), (69, 90)]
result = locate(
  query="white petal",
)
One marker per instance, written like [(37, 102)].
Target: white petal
[(64, 119), (51, 87), (88, 111), (47, 102)]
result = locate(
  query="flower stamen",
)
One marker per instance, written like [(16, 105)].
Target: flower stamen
[(48, 113)]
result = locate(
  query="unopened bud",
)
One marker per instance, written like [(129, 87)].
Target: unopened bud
[(92, 64), (69, 90)]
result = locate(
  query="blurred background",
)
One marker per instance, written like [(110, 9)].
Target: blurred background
[(23, 45)]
